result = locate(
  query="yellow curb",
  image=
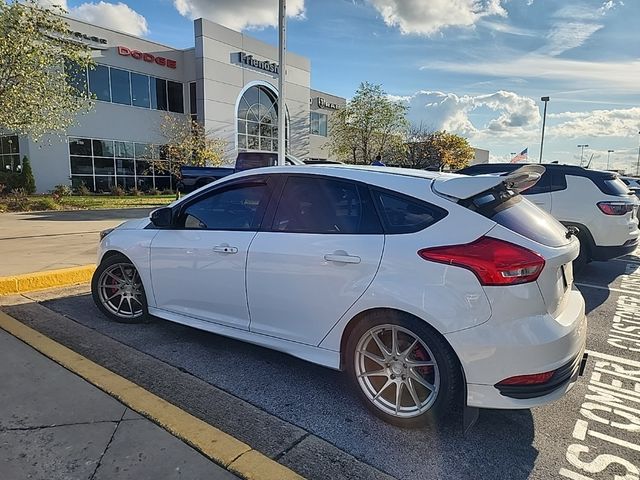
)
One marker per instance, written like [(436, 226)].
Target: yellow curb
[(48, 279), (213, 443)]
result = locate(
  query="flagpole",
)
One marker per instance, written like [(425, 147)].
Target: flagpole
[(282, 61), (544, 121)]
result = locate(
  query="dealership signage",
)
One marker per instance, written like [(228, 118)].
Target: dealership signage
[(322, 103), (249, 60), (147, 57), (83, 37)]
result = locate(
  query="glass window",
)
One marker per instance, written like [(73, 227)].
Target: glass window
[(103, 166), (124, 149), (104, 184), (124, 166), (77, 181), (76, 76), (402, 215), (158, 94), (10, 144), (80, 146), (82, 165), (318, 205), (120, 86), (543, 185), (319, 124), (558, 181), (615, 186), (103, 148), (126, 182), (238, 208), (143, 150), (143, 168), (176, 97), (193, 106), (99, 82), (140, 90), (258, 117)]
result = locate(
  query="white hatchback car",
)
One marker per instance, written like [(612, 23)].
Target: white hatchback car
[(431, 290)]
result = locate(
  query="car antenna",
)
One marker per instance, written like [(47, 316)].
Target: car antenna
[(589, 163)]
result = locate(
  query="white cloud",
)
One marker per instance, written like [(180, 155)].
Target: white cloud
[(118, 16), (567, 35), (611, 76), (597, 123), (515, 115), (429, 17), (237, 14)]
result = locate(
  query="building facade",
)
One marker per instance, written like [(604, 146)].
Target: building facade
[(228, 82)]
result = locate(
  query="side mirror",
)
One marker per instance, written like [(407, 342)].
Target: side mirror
[(162, 217)]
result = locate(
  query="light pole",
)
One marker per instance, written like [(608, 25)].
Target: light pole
[(609, 152), (582, 151), (282, 60), (638, 164), (544, 121)]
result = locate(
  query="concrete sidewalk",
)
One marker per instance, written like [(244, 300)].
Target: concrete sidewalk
[(38, 241), (55, 425)]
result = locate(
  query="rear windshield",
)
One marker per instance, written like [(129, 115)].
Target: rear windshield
[(615, 186), (521, 216)]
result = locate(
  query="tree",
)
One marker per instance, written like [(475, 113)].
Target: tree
[(37, 94), (187, 143), (28, 181), (437, 149), (370, 124)]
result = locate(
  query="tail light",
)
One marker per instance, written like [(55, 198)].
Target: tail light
[(615, 208), (493, 261), (534, 379)]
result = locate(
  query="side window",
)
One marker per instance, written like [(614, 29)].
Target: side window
[(403, 215), (237, 208), (542, 186), (320, 205), (558, 182)]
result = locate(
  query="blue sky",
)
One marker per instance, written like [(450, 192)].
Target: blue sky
[(476, 67)]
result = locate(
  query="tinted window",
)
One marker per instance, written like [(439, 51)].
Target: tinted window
[(319, 205), (615, 186), (82, 165), (193, 106), (103, 148), (158, 94), (76, 76), (238, 208), (140, 90), (120, 88), (99, 82), (402, 215), (558, 181), (176, 98)]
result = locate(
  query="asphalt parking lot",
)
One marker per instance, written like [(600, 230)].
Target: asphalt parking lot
[(592, 433)]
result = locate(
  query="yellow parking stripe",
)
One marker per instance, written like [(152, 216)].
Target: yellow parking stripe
[(48, 279), (222, 448)]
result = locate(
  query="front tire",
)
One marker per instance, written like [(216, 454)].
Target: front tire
[(118, 292), (404, 372)]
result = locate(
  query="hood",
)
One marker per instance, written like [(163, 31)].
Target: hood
[(134, 224)]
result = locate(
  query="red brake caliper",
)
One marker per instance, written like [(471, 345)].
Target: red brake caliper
[(419, 353)]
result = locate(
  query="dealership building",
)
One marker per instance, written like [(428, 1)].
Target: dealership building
[(228, 82)]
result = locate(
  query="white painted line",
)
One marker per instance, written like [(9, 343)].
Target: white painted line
[(613, 358), (611, 289)]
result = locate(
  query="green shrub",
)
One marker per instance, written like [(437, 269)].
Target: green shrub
[(28, 182), (61, 190), (83, 190), (18, 200), (117, 191), (44, 203), (134, 192), (11, 181)]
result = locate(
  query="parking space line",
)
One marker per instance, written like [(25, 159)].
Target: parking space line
[(613, 358), (222, 448), (601, 287)]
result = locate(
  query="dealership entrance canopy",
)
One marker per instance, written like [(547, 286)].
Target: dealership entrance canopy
[(228, 82)]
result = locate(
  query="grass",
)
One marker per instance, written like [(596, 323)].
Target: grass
[(79, 202)]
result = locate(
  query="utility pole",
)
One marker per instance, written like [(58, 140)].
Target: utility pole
[(638, 164), (609, 152), (282, 61), (544, 121), (582, 151)]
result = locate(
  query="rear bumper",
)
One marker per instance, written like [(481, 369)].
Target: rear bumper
[(508, 347), (607, 253)]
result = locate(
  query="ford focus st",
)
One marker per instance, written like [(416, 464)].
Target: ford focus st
[(429, 290)]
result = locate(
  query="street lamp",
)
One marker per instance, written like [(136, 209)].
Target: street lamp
[(544, 121), (609, 152), (582, 151), (282, 60), (638, 164)]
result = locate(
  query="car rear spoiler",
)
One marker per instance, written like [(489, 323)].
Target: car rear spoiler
[(462, 187)]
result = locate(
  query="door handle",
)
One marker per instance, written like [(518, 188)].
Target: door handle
[(333, 257), (225, 249)]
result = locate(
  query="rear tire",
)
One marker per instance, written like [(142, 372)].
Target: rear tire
[(584, 256), (117, 290), (415, 381)]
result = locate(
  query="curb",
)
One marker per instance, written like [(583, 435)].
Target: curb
[(48, 279), (218, 446)]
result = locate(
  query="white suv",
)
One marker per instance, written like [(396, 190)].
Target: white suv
[(597, 204), (427, 288)]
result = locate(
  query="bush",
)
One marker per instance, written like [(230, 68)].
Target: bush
[(134, 192), (83, 190), (18, 200), (117, 191), (44, 203), (11, 181), (168, 191), (28, 182), (61, 191), (154, 191)]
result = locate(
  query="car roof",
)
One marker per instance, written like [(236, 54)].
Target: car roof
[(558, 167)]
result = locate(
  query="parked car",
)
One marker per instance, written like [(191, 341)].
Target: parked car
[(192, 178), (633, 183), (597, 204), (370, 272)]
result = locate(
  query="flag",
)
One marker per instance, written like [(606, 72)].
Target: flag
[(523, 156)]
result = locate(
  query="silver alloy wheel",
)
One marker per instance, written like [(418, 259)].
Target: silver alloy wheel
[(120, 290), (391, 355)]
